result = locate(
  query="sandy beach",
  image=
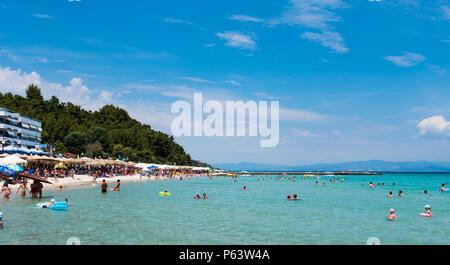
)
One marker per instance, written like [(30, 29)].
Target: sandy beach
[(84, 181)]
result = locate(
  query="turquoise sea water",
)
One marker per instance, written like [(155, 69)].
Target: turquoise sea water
[(340, 213)]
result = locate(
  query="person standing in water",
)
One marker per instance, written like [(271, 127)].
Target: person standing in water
[(443, 188), (23, 190), (6, 190), (104, 186)]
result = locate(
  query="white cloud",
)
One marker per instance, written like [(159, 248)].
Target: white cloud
[(238, 40), (329, 39), (318, 15), (246, 18), (435, 126), (16, 81), (408, 59)]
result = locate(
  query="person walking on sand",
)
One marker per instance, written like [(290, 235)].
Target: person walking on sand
[(104, 186)]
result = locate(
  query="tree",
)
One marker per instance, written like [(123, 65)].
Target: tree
[(95, 150), (59, 147), (33, 92), (98, 134), (75, 142)]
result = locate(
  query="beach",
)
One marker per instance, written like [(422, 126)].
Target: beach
[(85, 181)]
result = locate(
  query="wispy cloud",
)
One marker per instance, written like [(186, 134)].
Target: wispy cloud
[(238, 40), (196, 79), (246, 18), (446, 12), (408, 59), (25, 59), (177, 21), (306, 133), (318, 15), (328, 39), (235, 83), (44, 16)]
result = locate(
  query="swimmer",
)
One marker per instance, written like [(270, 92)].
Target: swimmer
[(67, 201), (197, 197), (443, 188), (425, 192), (371, 185), (400, 193), (289, 197), (245, 188), (1, 220), (393, 184), (60, 188), (427, 211), (204, 196), (390, 194), (324, 184), (317, 183), (295, 197), (392, 215)]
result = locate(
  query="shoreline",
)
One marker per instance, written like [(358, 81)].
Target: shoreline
[(84, 181)]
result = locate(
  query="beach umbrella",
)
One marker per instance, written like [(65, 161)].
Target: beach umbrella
[(60, 165), (35, 178), (152, 167), (15, 168), (12, 159)]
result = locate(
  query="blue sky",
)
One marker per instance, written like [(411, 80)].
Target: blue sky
[(356, 80)]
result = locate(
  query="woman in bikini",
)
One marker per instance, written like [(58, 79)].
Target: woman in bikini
[(6, 190), (23, 190)]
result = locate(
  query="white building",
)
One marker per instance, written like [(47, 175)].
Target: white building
[(18, 132)]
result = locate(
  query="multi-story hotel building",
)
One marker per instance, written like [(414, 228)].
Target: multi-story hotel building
[(18, 131)]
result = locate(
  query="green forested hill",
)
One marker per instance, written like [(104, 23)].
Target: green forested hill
[(109, 131)]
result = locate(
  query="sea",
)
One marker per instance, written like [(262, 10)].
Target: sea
[(348, 212)]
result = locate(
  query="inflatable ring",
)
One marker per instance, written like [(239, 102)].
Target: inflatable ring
[(162, 193)]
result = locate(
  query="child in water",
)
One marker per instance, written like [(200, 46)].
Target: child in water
[(427, 211), (67, 201), (392, 215)]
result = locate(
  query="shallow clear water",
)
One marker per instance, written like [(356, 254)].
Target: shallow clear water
[(340, 213)]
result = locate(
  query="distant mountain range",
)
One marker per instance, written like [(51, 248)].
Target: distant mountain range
[(371, 165)]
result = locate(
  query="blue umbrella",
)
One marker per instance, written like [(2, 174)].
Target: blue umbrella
[(151, 167), (6, 170), (16, 168)]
